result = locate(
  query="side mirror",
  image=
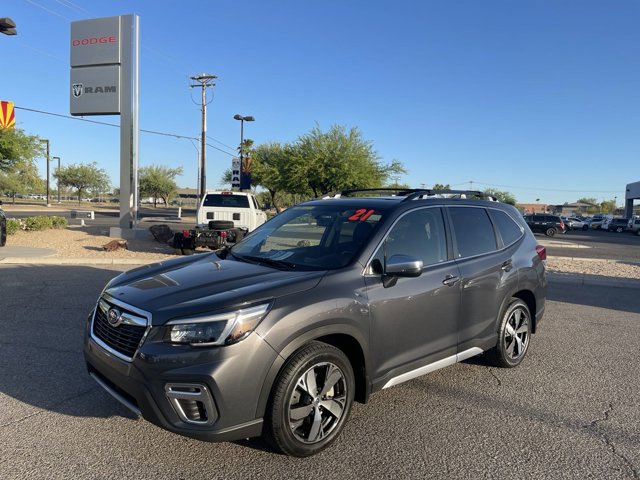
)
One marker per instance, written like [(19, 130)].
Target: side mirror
[(403, 266)]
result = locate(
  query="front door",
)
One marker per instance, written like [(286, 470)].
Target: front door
[(414, 321)]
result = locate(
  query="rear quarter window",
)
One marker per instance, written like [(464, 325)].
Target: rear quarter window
[(509, 230)]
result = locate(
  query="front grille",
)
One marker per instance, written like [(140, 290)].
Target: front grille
[(123, 339)]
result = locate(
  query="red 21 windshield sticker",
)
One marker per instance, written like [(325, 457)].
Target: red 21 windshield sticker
[(360, 215)]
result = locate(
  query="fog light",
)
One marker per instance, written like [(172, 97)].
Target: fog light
[(192, 402)]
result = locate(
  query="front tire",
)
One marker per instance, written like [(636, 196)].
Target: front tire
[(619, 230), (513, 336), (310, 401)]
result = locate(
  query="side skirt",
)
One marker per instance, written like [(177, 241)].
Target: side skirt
[(445, 362)]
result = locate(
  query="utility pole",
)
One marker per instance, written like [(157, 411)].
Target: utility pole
[(204, 80)]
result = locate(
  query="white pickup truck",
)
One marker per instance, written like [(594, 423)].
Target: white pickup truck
[(223, 218)]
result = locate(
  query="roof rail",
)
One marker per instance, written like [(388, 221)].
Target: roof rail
[(413, 193), (448, 193), (383, 190)]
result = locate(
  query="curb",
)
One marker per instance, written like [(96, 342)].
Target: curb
[(580, 280), (604, 260)]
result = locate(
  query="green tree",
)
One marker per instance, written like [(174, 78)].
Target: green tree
[(608, 206), (18, 150), (158, 182), (23, 178), (270, 163), (334, 160), (440, 186), (502, 196), (84, 178)]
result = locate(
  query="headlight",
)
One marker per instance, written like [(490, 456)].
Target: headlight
[(221, 329)]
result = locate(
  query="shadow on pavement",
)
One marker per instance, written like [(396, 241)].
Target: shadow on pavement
[(43, 312)]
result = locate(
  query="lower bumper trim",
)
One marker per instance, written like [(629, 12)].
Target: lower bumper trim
[(116, 395)]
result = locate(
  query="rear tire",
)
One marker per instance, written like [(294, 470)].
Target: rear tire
[(619, 230), (550, 232), (187, 251), (310, 400), (513, 336)]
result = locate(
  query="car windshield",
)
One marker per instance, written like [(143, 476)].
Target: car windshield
[(310, 237)]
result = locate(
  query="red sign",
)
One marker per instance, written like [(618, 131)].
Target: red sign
[(93, 40)]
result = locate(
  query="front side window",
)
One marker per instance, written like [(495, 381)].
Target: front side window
[(419, 234), (310, 237), (473, 231)]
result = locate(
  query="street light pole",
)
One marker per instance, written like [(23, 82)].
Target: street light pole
[(58, 179), (204, 80), (47, 143), (247, 118)]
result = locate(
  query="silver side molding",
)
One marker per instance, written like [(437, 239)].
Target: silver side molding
[(445, 362)]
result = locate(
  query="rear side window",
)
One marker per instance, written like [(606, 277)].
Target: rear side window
[(509, 230), (228, 201), (473, 230)]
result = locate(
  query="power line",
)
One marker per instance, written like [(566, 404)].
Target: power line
[(223, 144), (107, 124), (51, 12)]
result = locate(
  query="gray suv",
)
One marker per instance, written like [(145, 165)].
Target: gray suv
[(326, 303)]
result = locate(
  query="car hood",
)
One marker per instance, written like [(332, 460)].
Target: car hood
[(200, 284)]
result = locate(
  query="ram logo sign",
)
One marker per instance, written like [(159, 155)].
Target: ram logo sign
[(94, 90)]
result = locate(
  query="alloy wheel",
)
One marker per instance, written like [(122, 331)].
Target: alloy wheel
[(317, 402), (516, 334)]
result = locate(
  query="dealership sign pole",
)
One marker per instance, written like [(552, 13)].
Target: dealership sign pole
[(104, 81)]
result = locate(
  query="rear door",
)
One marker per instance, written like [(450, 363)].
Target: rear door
[(486, 271)]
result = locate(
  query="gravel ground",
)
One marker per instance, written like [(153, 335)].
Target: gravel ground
[(587, 266), (87, 242)]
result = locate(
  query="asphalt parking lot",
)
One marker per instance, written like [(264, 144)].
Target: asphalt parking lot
[(595, 244), (569, 411)]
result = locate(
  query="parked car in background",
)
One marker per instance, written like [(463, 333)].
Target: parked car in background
[(550, 225), (598, 221), (573, 223), (3, 227), (617, 225), (634, 225)]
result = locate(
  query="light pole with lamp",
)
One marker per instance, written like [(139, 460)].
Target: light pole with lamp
[(45, 141), (58, 179), (247, 118)]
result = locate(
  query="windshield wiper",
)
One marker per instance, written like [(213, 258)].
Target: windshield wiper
[(267, 261)]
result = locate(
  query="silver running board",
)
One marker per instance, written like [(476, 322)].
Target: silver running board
[(445, 362)]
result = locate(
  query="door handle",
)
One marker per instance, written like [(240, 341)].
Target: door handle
[(507, 265), (450, 280)]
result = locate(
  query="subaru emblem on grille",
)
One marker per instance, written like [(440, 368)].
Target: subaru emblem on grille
[(114, 316)]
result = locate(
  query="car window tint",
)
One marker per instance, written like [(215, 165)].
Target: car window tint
[(474, 231), (226, 200), (420, 234), (509, 230)]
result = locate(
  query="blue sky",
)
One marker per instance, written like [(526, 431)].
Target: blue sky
[(540, 98)]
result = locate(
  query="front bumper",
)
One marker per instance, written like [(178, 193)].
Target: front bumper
[(232, 376)]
